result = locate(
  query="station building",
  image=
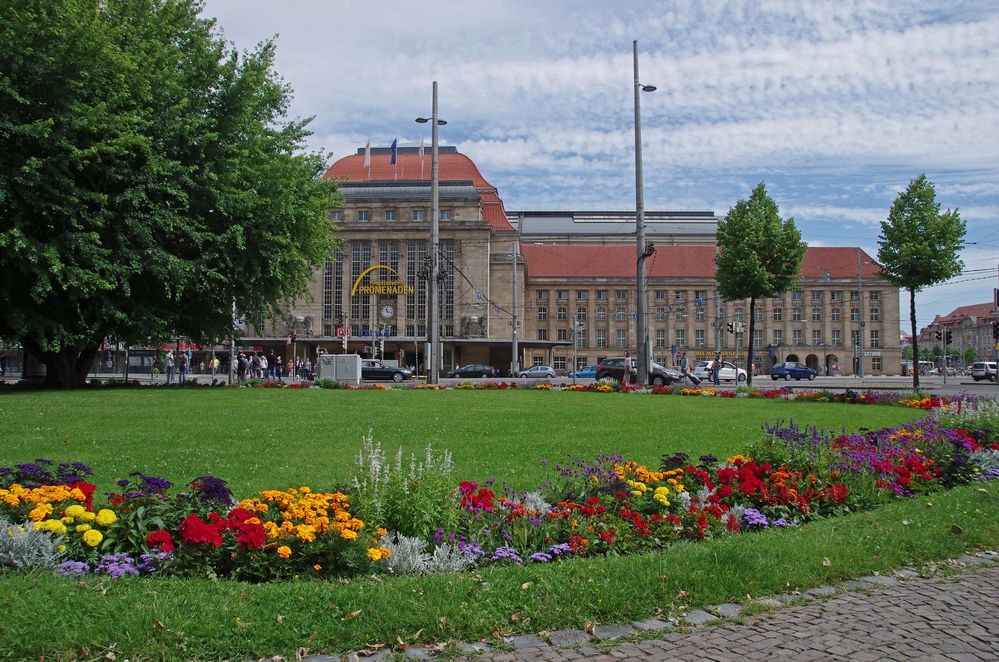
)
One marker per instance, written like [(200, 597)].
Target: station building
[(566, 278)]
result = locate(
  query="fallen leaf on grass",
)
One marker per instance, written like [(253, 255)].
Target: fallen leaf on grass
[(401, 645), (352, 615), (956, 530), (279, 618), (516, 616), (826, 562), (526, 585)]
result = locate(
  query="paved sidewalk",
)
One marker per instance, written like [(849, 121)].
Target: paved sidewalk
[(929, 619)]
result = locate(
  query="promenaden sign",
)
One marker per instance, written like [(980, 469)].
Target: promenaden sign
[(383, 286)]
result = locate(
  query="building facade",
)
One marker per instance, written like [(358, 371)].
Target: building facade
[(564, 280), (971, 328)]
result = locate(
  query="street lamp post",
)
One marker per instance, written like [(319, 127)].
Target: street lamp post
[(642, 251), (860, 308), (433, 332)]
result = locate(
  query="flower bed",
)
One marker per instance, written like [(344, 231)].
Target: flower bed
[(394, 517)]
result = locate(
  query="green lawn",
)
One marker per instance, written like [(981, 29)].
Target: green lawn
[(263, 438)]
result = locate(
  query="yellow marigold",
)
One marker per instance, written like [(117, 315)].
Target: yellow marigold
[(54, 526), (378, 553), (80, 528), (347, 534), (68, 520), (92, 538), (76, 510), (284, 551), (381, 532), (106, 517), (40, 512), (87, 517), (306, 533)]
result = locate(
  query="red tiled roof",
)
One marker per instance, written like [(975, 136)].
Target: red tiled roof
[(697, 261), (452, 166), (979, 310)]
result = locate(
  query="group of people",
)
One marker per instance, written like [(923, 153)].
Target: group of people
[(273, 368), (714, 369), (180, 366)]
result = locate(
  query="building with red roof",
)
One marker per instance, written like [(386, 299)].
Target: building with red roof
[(972, 331), (548, 271)]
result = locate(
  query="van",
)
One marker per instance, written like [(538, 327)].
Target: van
[(983, 370)]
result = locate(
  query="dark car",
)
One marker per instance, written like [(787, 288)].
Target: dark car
[(791, 369), (372, 369), (475, 370), (659, 375)]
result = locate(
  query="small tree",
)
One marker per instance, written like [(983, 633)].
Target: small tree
[(970, 356), (919, 246), (759, 255)]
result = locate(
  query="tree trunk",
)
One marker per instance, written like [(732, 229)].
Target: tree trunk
[(915, 340), (67, 368), (749, 350)]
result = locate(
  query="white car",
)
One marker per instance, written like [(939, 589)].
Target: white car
[(538, 372), (729, 372)]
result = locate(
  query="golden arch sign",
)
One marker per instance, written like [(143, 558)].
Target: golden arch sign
[(396, 286)]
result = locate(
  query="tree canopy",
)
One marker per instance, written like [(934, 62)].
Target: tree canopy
[(919, 246), (759, 254), (149, 178)]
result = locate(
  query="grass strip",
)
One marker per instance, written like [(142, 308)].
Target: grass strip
[(54, 618)]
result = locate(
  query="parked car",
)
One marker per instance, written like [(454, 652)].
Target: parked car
[(983, 370), (729, 371), (475, 370), (538, 372), (372, 369), (791, 369), (586, 372), (659, 375)]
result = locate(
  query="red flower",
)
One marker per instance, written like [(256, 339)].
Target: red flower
[(160, 541), (195, 530), (251, 536), (88, 492)]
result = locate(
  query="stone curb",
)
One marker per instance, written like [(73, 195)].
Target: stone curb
[(691, 620)]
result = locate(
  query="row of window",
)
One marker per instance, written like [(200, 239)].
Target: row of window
[(700, 296), (560, 362), (389, 215), (680, 313), (661, 339)]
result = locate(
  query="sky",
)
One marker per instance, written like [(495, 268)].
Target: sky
[(836, 106)]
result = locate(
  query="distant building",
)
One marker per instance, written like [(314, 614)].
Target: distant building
[(970, 326), (571, 267)]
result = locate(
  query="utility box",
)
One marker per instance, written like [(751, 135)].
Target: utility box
[(341, 368)]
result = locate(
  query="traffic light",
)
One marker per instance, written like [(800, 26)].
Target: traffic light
[(731, 327), (939, 334), (995, 330), (949, 338)]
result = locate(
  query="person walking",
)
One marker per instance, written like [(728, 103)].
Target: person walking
[(716, 367), (214, 366), (169, 366), (241, 367), (628, 376), (184, 366)]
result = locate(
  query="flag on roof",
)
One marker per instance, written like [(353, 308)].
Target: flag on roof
[(421, 150), (367, 154), (394, 150)]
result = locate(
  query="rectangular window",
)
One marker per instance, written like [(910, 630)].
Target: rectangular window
[(558, 363), (778, 314), (778, 336), (796, 337), (621, 295), (699, 314), (449, 331), (416, 303), (561, 334), (837, 340), (445, 214), (363, 215), (417, 214), (410, 330), (542, 295), (875, 296), (390, 215), (581, 336), (681, 337), (816, 314), (854, 295), (681, 295), (561, 314), (601, 338), (876, 363), (537, 360), (758, 314), (601, 295), (327, 330), (542, 334), (622, 338), (699, 297), (855, 314), (660, 338), (796, 295), (699, 338), (835, 295), (582, 295), (796, 314), (875, 314), (662, 295), (740, 340), (336, 216), (816, 336), (875, 339), (580, 314), (562, 295), (661, 314), (601, 313), (328, 290), (447, 247), (816, 295), (739, 314), (542, 313), (757, 339), (621, 314), (834, 314), (681, 312)]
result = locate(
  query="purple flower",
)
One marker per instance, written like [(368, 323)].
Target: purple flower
[(212, 491), (507, 553), (751, 517), (68, 568), (540, 557), (117, 565), (782, 523), (560, 549)]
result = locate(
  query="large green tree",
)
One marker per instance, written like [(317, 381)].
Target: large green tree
[(919, 246), (759, 255), (149, 178)]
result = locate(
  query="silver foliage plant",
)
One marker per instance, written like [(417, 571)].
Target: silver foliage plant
[(24, 548), (408, 556)]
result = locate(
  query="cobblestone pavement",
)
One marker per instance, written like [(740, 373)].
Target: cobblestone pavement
[(928, 619)]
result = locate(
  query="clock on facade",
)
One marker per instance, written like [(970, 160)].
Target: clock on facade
[(387, 311)]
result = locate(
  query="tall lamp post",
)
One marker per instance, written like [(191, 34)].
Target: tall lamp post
[(643, 251), (433, 332)]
